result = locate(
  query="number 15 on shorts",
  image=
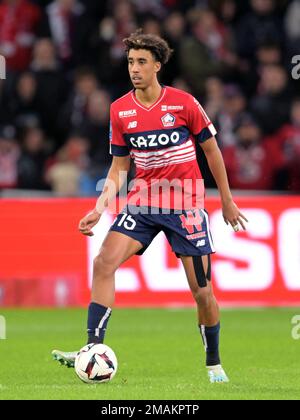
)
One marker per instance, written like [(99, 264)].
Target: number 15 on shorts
[(127, 221)]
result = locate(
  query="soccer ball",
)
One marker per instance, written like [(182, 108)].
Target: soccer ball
[(96, 363)]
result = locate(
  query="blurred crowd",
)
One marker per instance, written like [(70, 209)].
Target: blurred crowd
[(66, 64)]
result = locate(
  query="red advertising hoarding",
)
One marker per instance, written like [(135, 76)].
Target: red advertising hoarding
[(44, 261)]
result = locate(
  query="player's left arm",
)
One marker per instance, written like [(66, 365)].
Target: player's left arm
[(231, 212)]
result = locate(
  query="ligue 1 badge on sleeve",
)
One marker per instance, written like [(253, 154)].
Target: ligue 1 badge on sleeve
[(2, 68)]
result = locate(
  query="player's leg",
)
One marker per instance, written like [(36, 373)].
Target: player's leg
[(116, 249), (198, 274)]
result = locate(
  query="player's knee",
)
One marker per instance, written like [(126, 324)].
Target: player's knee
[(203, 296), (104, 266)]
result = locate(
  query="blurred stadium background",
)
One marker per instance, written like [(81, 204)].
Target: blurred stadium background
[(65, 64)]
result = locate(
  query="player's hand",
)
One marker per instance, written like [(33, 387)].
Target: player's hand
[(88, 222), (233, 216)]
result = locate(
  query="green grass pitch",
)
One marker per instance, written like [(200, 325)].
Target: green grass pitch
[(160, 355)]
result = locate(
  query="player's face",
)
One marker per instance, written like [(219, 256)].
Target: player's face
[(143, 68)]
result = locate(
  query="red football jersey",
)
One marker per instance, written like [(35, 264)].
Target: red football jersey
[(161, 141)]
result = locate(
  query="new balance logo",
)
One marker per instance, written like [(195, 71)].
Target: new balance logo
[(132, 124), (2, 68), (200, 243)]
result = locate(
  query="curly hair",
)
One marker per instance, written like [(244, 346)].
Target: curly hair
[(153, 43)]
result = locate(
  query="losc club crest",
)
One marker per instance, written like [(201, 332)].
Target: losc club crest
[(168, 120)]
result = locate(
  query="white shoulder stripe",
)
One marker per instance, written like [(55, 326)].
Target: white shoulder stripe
[(212, 129)]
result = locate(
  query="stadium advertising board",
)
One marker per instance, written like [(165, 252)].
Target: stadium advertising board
[(46, 262)]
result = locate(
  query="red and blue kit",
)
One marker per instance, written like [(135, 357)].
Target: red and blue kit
[(161, 140)]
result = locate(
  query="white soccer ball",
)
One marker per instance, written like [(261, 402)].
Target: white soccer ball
[(96, 363)]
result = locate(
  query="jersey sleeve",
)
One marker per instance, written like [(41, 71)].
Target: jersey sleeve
[(198, 122), (118, 145)]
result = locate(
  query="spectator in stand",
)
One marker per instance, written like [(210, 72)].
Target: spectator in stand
[(19, 20), (182, 84), (75, 110), (23, 106), (95, 127), (226, 11), (144, 8), (31, 163), (271, 105), (125, 23), (292, 26), (101, 44), (214, 97), (207, 52), (161, 8), (253, 162), (234, 105), (64, 174), (107, 52), (223, 105), (152, 25), (260, 25), (96, 8), (181, 6), (3, 106), (70, 28), (44, 56), (289, 140), (52, 86), (9, 155), (268, 53), (174, 30)]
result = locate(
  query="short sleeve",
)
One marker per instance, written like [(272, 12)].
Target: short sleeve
[(118, 146), (198, 122)]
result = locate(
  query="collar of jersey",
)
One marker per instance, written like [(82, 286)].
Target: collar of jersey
[(162, 94)]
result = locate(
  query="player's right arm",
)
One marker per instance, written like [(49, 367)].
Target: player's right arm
[(115, 179)]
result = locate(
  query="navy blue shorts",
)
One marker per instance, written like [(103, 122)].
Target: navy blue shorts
[(187, 232)]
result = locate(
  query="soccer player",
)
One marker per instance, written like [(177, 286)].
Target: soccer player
[(158, 126)]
